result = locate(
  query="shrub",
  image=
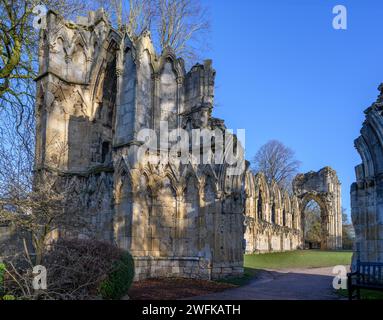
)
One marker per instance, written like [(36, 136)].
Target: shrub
[(2, 272), (120, 279), (87, 269)]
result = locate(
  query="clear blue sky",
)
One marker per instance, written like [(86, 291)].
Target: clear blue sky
[(284, 73)]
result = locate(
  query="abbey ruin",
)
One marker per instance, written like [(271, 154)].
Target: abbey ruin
[(367, 191), (97, 90), (275, 219)]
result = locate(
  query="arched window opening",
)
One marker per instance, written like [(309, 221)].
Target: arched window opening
[(105, 155), (312, 225), (259, 207), (273, 213)]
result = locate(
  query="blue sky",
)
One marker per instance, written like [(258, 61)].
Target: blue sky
[(284, 73)]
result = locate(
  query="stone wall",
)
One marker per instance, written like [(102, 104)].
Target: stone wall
[(324, 188), (272, 217), (367, 191), (97, 90), (275, 219)]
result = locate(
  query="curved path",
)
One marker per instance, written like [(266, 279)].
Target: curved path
[(291, 284)]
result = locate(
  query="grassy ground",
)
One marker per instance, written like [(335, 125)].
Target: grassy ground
[(298, 259), (249, 273), (286, 260), (364, 294)]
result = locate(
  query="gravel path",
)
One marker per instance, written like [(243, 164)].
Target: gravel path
[(291, 284)]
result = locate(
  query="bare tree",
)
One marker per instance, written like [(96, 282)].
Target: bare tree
[(134, 16), (18, 67), (141, 15), (182, 25), (277, 162), (19, 41), (38, 211)]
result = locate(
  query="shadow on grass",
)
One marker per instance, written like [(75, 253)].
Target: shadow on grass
[(364, 294)]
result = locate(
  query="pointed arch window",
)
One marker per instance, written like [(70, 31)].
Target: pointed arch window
[(273, 213), (259, 207)]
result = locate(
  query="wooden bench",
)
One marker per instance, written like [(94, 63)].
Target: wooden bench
[(368, 275)]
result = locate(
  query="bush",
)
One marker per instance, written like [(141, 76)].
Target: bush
[(2, 272), (120, 279), (87, 269)]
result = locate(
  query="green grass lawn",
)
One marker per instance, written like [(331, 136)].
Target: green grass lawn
[(298, 259), (286, 260)]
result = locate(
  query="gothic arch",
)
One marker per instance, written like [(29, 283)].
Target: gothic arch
[(122, 224), (366, 191), (295, 213), (263, 197), (249, 185), (368, 164), (168, 56), (250, 197), (286, 210), (192, 196), (63, 36), (208, 174), (323, 187), (374, 146), (187, 174), (144, 49), (142, 214), (275, 203), (209, 189)]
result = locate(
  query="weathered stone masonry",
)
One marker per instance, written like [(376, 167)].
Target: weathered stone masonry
[(275, 219), (96, 89), (367, 191)]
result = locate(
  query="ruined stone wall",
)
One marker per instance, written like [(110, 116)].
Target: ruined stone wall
[(97, 90), (272, 217), (324, 188), (275, 220), (367, 191)]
